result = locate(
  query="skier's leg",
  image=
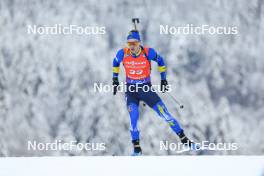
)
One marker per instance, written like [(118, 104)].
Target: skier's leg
[(132, 107), (153, 100), (163, 112), (134, 116)]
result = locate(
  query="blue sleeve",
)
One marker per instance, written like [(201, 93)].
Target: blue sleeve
[(116, 62), (153, 55)]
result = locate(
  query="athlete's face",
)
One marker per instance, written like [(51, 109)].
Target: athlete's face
[(133, 46)]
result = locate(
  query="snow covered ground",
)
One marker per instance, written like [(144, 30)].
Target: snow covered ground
[(133, 166)]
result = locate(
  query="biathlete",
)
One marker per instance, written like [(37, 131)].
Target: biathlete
[(136, 61)]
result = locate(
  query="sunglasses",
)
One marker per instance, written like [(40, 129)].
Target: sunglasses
[(132, 43)]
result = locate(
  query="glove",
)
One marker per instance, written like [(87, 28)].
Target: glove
[(115, 85), (163, 85)]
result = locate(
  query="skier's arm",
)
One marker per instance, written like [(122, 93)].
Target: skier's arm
[(116, 63), (153, 55)]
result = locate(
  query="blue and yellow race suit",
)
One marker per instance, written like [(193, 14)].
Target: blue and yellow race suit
[(137, 68)]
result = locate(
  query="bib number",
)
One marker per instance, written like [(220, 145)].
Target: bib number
[(135, 72)]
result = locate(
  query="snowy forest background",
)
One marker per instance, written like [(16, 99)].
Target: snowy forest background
[(45, 79)]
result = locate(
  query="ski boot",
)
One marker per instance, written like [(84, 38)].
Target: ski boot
[(187, 142), (137, 148)]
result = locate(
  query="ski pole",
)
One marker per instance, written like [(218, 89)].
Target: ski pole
[(177, 102)]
